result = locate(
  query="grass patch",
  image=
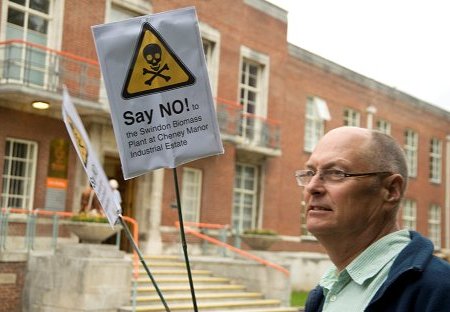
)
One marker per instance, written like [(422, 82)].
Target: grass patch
[(298, 298)]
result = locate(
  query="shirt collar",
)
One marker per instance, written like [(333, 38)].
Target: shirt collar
[(370, 261)]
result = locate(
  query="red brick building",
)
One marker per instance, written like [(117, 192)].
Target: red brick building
[(274, 101)]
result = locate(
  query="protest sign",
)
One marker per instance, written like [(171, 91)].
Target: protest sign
[(158, 90), (91, 164)]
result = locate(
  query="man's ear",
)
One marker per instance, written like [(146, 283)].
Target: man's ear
[(393, 188)]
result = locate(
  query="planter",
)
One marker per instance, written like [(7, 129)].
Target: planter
[(259, 242), (92, 232)]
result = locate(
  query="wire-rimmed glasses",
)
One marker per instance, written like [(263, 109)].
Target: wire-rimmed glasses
[(331, 175)]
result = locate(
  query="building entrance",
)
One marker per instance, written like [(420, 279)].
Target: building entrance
[(126, 188)]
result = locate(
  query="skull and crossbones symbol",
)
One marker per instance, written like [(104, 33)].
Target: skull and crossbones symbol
[(153, 55)]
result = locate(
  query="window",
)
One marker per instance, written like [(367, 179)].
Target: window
[(435, 160), (384, 126), (120, 13), (211, 42), (19, 171), (27, 20), (316, 114), (434, 225), (191, 194), (411, 146), (208, 49), (250, 89), (409, 214), (253, 92), (245, 197), (351, 117)]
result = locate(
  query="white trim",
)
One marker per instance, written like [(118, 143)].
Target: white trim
[(30, 178), (352, 117), (314, 125), (447, 193), (253, 192), (434, 225), (411, 147), (141, 7), (383, 126), (56, 21), (410, 206), (322, 109), (435, 161), (269, 9), (196, 198), (264, 61), (213, 35)]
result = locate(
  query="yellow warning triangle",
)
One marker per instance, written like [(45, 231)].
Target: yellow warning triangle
[(154, 67)]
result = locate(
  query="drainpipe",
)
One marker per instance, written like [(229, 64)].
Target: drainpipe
[(371, 110), (447, 194)]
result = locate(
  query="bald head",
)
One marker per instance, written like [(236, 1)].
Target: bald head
[(378, 150)]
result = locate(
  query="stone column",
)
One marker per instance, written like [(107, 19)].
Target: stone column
[(154, 243)]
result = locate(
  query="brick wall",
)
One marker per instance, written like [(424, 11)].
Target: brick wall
[(12, 277), (22, 125)]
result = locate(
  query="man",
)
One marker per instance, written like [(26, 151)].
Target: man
[(353, 185), (89, 203)]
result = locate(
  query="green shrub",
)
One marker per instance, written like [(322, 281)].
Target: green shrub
[(261, 232), (84, 217), (298, 298)]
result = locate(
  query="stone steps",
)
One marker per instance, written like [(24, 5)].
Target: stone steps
[(185, 298), (197, 280), (236, 305), (212, 293)]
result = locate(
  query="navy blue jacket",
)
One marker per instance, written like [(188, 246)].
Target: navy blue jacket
[(417, 282)]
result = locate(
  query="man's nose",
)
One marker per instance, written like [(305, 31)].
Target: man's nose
[(315, 185)]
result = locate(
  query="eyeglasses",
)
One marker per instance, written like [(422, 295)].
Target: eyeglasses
[(331, 175)]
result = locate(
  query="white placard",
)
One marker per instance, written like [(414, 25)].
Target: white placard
[(91, 164), (158, 89)]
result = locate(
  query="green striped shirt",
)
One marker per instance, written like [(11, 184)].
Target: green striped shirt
[(353, 288)]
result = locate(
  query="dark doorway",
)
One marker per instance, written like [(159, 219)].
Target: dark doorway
[(113, 170)]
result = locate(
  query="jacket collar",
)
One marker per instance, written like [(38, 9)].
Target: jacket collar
[(411, 260)]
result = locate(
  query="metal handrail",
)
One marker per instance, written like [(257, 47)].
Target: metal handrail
[(30, 235), (206, 225), (236, 250), (253, 129), (135, 233), (39, 67)]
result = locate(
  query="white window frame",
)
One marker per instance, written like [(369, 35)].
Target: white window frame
[(140, 7), (435, 160), (434, 225), (261, 91), (384, 126), (316, 112), (52, 39), (237, 218), (55, 22), (12, 163), (352, 117), (191, 194), (409, 214), (411, 151), (211, 38)]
